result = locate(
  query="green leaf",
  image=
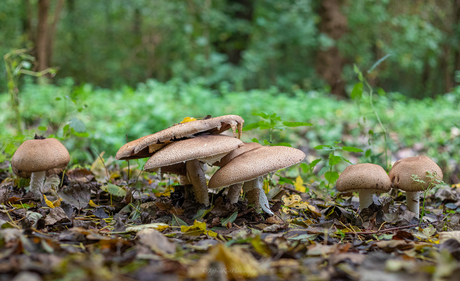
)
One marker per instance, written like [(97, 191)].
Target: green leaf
[(114, 189), (77, 125), (357, 91), (322, 146), (368, 153), (334, 160), (314, 162), (331, 176), (42, 128), (231, 218), (296, 124), (177, 221), (282, 144), (351, 149), (255, 140), (261, 114)]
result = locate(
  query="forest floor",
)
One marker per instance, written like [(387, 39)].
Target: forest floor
[(82, 231)]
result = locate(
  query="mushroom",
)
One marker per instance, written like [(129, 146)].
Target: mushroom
[(147, 145), (366, 179), (401, 176), (194, 152), (38, 157), (250, 167), (234, 190)]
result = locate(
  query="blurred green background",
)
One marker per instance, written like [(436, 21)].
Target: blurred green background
[(111, 69)]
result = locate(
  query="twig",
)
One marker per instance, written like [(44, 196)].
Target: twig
[(245, 212), (384, 230)]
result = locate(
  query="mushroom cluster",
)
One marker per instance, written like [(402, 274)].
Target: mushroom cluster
[(185, 149), (411, 174)]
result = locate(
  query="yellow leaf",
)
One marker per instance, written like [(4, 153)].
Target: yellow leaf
[(98, 169), (92, 204), (237, 264), (299, 184), (266, 187), (212, 233), (196, 229), (188, 119), (166, 193), (57, 202), (48, 202)]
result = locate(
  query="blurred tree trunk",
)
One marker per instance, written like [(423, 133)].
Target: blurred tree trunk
[(42, 34), (26, 22), (52, 30), (329, 62), (238, 41), (457, 37)]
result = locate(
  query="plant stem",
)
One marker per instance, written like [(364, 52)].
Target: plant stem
[(371, 95)]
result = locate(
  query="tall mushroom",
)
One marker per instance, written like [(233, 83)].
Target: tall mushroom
[(366, 179), (401, 176), (194, 152), (147, 145), (250, 167), (38, 157)]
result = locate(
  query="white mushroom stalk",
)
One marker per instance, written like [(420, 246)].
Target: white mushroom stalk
[(413, 202), (365, 198), (195, 174), (37, 180), (233, 192), (257, 183)]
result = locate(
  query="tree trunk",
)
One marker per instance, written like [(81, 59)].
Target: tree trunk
[(52, 31), (26, 22), (457, 36), (42, 34), (329, 62)]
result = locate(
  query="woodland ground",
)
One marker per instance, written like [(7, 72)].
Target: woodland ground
[(108, 220)]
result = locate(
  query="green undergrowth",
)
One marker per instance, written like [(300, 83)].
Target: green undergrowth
[(90, 120)]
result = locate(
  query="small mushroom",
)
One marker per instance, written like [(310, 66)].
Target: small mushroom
[(366, 179), (250, 167), (401, 176), (38, 157), (194, 152)]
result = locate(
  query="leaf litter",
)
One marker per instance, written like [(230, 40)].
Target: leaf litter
[(97, 226)]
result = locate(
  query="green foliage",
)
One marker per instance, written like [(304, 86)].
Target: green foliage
[(272, 123), (333, 160)]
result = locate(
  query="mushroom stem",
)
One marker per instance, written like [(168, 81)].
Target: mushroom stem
[(365, 198), (233, 192), (413, 202), (36, 182), (195, 174), (257, 183)]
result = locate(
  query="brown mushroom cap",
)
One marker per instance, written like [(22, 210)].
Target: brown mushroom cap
[(363, 177), (255, 163), (40, 155), (126, 152), (197, 148), (213, 126), (403, 169), (248, 146)]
